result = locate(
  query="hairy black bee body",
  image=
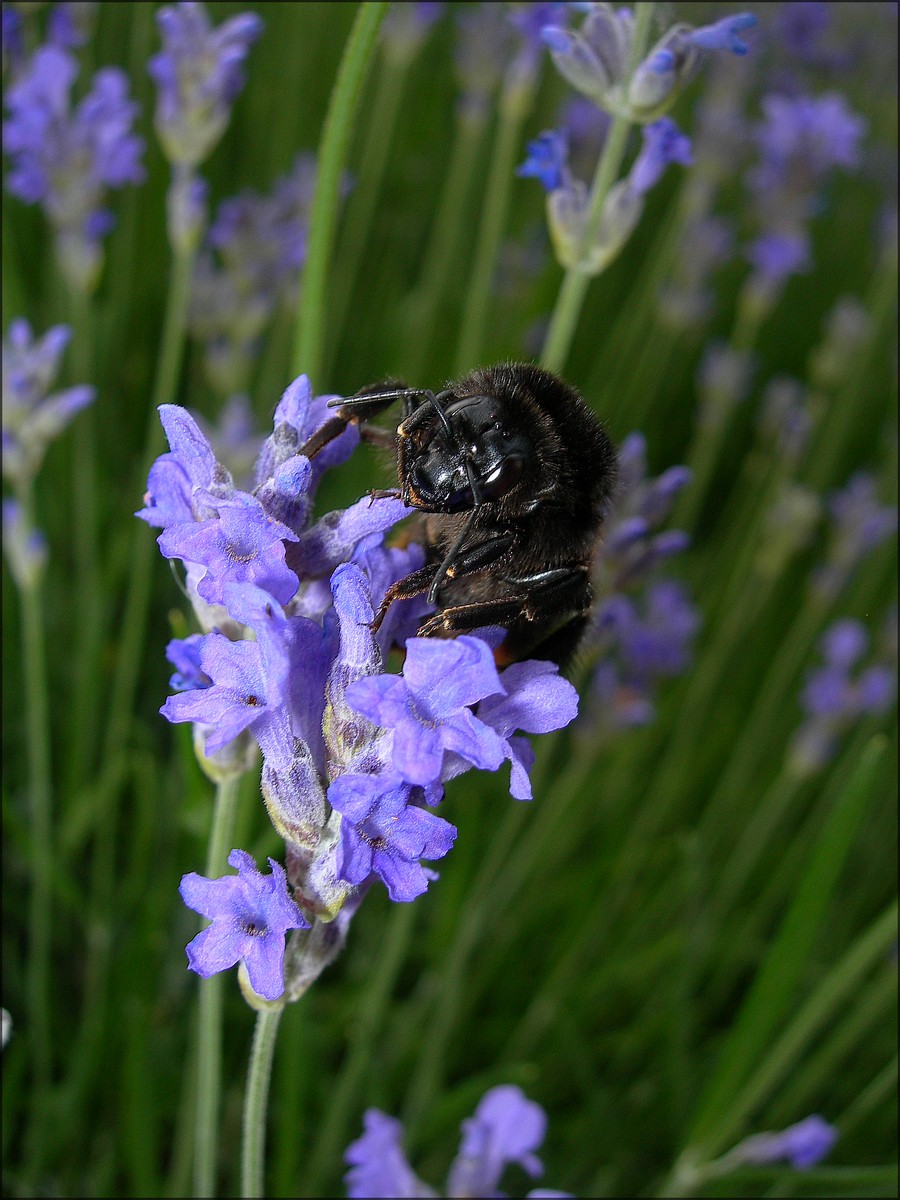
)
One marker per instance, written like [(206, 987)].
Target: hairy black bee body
[(511, 472)]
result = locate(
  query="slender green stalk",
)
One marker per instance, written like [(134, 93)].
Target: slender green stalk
[(360, 209), (209, 1016), (88, 630), (570, 299), (443, 251), (256, 1101), (129, 661), (331, 1136), (332, 158), (515, 105), (40, 815)]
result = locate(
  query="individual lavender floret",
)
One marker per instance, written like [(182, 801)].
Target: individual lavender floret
[(859, 524), (32, 416), (250, 914), (723, 382), (483, 46), (382, 833), (507, 1128), (838, 694), (595, 59), (198, 74), (428, 706), (66, 158), (803, 1145), (568, 200), (235, 439), (71, 25)]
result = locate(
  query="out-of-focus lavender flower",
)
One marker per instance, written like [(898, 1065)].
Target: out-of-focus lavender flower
[(71, 25), (483, 47), (595, 59), (786, 419), (636, 650), (789, 524), (837, 695), (800, 27), (66, 158), (507, 1128), (706, 242), (723, 382), (13, 42), (235, 439), (802, 1145), (250, 264), (633, 543), (25, 548), (198, 74), (405, 28), (568, 200), (32, 416), (250, 914), (801, 140), (848, 327), (859, 524)]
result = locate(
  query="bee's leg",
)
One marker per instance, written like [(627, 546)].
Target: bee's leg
[(353, 411), (404, 589), (474, 558), (551, 596)]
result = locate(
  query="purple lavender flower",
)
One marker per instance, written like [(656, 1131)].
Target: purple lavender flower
[(32, 417), (65, 158), (298, 416), (537, 700), (383, 833), (250, 264), (633, 545), (638, 649), (507, 1128), (198, 74), (664, 143), (246, 689), (776, 256), (250, 914), (177, 479), (184, 655), (405, 28), (427, 706), (243, 544), (546, 160), (803, 1145), (71, 24), (859, 524), (836, 695)]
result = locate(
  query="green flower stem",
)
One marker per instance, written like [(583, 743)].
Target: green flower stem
[(88, 630), (129, 660), (516, 103), (342, 110), (209, 1016), (256, 1102), (360, 209), (40, 795), (332, 1135), (570, 299), (444, 248)]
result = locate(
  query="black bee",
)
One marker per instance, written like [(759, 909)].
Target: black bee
[(512, 473)]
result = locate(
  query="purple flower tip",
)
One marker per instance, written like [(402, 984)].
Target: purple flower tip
[(555, 39), (724, 34)]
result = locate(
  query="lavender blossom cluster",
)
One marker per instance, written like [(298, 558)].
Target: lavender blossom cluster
[(354, 758)]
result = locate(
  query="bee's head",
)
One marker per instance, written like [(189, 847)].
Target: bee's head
[(462, 454)]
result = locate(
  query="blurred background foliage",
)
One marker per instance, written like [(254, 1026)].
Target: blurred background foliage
[(679, 941)]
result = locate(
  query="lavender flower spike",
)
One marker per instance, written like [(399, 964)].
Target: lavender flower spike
[(31, 417), (198, 75), (802, 1145), (250, 914), (65, 159)]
